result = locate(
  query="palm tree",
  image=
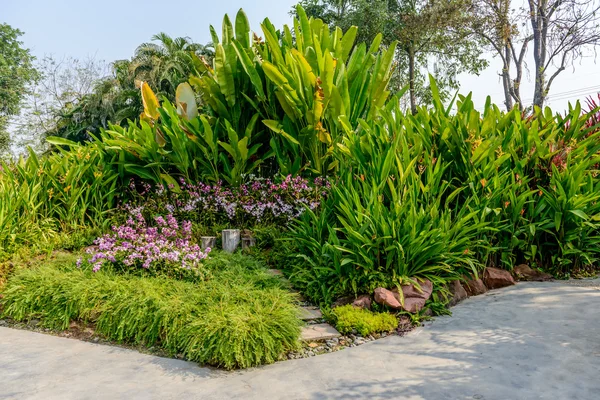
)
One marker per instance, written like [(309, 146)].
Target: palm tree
[(166, 64), (116, 99)]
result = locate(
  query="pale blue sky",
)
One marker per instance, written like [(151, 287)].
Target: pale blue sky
[(111, 30)]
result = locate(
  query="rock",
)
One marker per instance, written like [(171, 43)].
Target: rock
[(524, 273), (363, 301), (475, 287), (318, 332), (423, 292), (359, 341), (312, 345), (310, 313), (495, 278), (342, 301), (458, 293), (415, 298), (3, 322), (310, 354), (387, 298)]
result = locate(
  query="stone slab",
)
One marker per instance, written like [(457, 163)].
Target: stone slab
[(310, 313), (319, 332)]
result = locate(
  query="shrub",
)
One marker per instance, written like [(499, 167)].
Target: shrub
[(41, 197), (165, 249), (363, 321), (237, 320)]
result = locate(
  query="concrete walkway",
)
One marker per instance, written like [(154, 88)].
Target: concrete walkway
[(530, 341)]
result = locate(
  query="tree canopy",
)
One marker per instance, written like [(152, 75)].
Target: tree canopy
[(16, 73), (433, 37)]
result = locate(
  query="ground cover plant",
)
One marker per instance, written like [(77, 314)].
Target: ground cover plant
[(240, 318), (349, 319)]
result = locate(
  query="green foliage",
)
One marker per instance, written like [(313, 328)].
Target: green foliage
[(41, 196), (365, 322), (239, 319), (442, 194), (423, 30), (272, 106), (16, 73)]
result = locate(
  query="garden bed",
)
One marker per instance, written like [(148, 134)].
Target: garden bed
[(241, 318)]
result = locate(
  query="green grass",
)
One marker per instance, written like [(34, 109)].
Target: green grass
[(365, 322), (241, 318)]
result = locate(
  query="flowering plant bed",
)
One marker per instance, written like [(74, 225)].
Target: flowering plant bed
[(258, 201), (165, 249)]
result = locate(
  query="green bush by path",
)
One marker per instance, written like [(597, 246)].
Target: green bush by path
[(364, 321), (237, 320), (441, 194)]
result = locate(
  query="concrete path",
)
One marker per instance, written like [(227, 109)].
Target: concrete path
[(530, 341)]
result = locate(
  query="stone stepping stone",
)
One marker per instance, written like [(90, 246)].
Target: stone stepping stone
[(318, 332), (310, 313)]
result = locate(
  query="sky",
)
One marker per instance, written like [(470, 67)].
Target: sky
[(110, 30)]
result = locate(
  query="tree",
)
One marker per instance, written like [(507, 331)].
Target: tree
[(560, 32), (429, 33), (494, 21), (77, 97), (16, 73), (166, 64), (63, 86)]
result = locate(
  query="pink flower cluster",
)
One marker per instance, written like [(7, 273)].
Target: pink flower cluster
[(136, 244), (258, 200)]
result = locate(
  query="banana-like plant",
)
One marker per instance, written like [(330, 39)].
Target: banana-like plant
[(301, 85)]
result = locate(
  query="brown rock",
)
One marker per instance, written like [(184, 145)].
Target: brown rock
[(458, 293), (474, 287), (425, 286), (363, 301), (524, 273), (415, 299), (387, 298), (495, 278)]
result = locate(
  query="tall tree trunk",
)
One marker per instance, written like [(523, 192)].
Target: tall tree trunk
[(411, 80), (539, 25), (506, 82)]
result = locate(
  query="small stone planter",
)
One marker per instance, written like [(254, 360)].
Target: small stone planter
[(208, 242), (247, 242), (231, 239)]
